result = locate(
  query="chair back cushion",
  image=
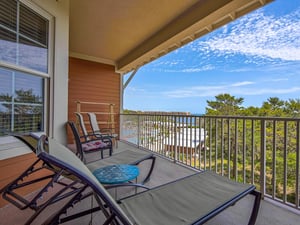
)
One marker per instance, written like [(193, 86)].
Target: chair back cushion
[(94, 122), (82, 126)]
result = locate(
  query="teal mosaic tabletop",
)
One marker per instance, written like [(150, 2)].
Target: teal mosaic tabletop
[(116, 174)]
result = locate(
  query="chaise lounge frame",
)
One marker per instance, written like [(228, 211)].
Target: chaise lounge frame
[(187, 194), (128, 210)]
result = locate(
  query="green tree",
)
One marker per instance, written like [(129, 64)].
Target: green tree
[(250, 111), (225, 104), (292, 107), (272, 107), (22, 96), (5, 98)]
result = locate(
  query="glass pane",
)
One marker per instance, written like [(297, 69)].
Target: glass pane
[(21, 102), (33, 26), (28, 122), (8, 14), (23, 41), (6, 92), (33, 40), (28, 89), (8, 46), (32, 56)]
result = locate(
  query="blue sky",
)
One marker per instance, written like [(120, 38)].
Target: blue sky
[(255, 57)]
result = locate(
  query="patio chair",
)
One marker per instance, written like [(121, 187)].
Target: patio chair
[(102, 132), (85, 134), (92, 143), (123, 157), (190, 200)]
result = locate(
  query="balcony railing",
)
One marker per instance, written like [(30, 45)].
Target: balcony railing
[(20, 123), (260, 150)]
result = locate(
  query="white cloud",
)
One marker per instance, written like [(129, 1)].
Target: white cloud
[(159, 68), (279, 80), (270, 91), (239, 88), (242, 83), (260, 36)]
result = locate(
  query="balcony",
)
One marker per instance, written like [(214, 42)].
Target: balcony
[(241, 148), (259, 150)]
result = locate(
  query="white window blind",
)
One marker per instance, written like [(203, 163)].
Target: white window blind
[(23, 36)]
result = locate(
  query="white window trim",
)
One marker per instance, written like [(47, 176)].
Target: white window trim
[(23, 69), (49, 74), (50, 18)]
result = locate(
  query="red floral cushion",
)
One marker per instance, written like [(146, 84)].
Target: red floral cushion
[(93, 145)]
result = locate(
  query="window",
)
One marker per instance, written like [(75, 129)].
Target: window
[(24, 66), (21, 108)]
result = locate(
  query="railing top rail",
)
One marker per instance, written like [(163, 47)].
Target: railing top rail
[(93, 103), (218, 117)]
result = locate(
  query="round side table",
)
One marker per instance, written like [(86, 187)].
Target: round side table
[(117, 174)]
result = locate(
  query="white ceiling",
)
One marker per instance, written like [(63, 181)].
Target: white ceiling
[(130, 33)]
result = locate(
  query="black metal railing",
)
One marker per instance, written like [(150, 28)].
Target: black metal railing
[(260, 150), (20, 123)]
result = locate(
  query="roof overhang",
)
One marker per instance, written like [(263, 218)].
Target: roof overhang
[(129, 34)]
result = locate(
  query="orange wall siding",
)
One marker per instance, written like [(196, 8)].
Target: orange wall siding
[(93, 82)]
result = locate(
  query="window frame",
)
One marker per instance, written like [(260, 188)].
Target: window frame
[(50, 60)]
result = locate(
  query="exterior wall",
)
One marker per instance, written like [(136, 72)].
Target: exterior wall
[(58, 97), (93, 82), (86, 81)]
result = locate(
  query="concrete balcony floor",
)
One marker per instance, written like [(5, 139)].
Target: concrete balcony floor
[(166, 171)]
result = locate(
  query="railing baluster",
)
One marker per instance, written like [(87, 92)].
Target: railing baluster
[(138, 131), (186, 143), (297, 191), (253, 151), (202, 144), (263, 157), (244, 150), (222, 146), (274, 161), (236, 150), (216, 145), (205, 143), (229, 149), (285, 162), (175, 141), (210, 142)]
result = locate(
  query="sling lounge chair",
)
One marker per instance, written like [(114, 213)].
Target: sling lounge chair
[(102, 132), (91, 143), (191, 200), (85, 134), (123, 157)]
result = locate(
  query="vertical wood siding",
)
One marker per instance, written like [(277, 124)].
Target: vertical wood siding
[(93, 82)]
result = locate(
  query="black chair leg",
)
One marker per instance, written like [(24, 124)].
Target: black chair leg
[(255, 209)]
